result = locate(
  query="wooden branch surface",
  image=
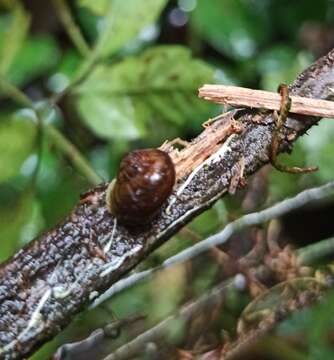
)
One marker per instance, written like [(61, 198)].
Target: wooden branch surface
[(259, 99), (62, 271)]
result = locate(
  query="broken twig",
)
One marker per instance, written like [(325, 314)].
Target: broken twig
[(243, 97)]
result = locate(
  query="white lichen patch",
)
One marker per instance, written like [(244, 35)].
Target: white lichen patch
[(118, 261), (107, 247)]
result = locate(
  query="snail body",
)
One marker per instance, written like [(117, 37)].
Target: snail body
[(145, 179)]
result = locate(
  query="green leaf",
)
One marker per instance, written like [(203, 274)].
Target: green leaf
[(17, 139), (124, 20), (109, 118), (283, 185), (20, 221), (69, 64), (315, 325), (99, 7), (64, 72), (318, 147), (37, 55), (159, 85), (13, 30), (234, 27), (281, 64)]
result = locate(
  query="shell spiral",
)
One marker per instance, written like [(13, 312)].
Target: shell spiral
[(145, 179)]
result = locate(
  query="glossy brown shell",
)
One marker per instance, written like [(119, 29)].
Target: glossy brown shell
[(146, 178)]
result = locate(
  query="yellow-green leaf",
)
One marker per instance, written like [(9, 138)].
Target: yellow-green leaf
[(124, 21), (99, 7), (17, 139), (20, 222), (14, 30)]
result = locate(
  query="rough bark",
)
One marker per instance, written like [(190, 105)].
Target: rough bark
[(58, 274)]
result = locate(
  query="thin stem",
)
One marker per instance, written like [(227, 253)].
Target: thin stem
[(71, 27), (256, 218), (77, 159), (79, 77), (213, 297), (20, 97), (14, 93), (94, 56), (310, 254), (39, 146)]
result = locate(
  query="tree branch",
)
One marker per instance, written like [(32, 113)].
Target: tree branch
[(306, 255), (61, 272), (211, 299)]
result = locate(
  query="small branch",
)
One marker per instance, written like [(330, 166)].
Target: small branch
[(96, 339), (305, 197), (259, 99), (90, 62), (306, 255), (7, 89), (80, 75), (213, 298), (125, 283), (76, 158), (310, 254), (71, 27)]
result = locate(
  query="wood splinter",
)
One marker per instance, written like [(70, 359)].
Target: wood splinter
[(259, 99), (281, 103)]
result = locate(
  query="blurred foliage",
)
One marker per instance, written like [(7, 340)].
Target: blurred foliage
[(137, 87), (115, 32), (22, 72), (17, 139), (14, 27), (317, 326), (243, 30), (124, 100)]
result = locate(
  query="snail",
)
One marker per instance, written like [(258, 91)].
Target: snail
[(145, 179)]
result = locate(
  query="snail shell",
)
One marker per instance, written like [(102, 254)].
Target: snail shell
[(145, 179)]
